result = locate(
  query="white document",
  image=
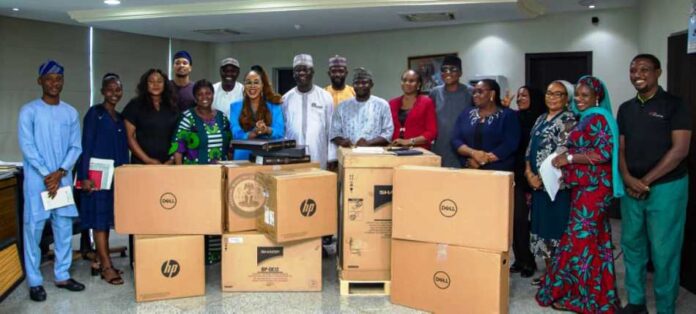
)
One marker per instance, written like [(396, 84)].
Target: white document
[(64, 197), (106, 167), (550, 176), (368, 150)]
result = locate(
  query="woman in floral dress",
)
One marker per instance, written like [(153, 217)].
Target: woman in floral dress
[(203, 135), (582, 277)]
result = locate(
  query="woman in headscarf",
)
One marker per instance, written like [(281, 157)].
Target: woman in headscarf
[(550, 131), (530, 104), (582, 278), (259, 114)]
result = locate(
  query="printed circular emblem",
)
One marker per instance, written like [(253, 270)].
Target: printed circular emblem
[(168, 201), (170, 268), (308, 207), (448, 208), (441, 280), (247, 194)]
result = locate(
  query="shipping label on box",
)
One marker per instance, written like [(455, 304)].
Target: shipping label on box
[(455, 206), (168, 267), (169, 200), (444, 278), (245, 195), (252, 262), (366, 219), (302, 204)]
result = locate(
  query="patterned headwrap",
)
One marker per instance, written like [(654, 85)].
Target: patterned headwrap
[(183, 54), (303, 59), (595, 84), (338, 61), (50, 67)]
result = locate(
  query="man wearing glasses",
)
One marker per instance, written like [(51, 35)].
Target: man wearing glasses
[(450, 99)]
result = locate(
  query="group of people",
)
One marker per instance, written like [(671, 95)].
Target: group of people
[(640, 154)]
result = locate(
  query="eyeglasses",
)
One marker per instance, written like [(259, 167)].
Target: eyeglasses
[(449, 69), (555, 94), (480, 90)]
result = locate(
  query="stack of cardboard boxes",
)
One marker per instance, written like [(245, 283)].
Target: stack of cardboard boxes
[(169, 209), (451, 236), (366, 213)]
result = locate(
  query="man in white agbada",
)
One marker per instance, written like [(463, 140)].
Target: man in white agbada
[(364, 120), (308, 110)]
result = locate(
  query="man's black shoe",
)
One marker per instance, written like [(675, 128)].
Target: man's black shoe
[(634, 309), (37, 293), (71, 285)]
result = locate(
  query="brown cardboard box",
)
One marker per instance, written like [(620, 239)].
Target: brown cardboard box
[(366, 211), (470, 208), (169, 199), (252, 262), (245, 198), (301, 204), (168, 267), (449, 279)]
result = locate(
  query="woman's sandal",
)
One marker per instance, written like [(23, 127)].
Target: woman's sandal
[(116, 280), (96, 269)]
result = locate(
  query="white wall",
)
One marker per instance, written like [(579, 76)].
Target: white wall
[(658, 20), (486, 49)]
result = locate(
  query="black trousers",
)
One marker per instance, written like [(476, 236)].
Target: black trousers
[(520, 230)]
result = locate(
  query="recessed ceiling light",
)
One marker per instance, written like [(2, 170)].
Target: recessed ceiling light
[(112, 2), (591, 6), (15, 9)]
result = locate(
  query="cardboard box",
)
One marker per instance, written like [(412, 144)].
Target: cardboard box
[(470, 208), (366, 217), (168, 267), (245, 197), (252, 262), (301, 204), (449, 279), (169, 199)]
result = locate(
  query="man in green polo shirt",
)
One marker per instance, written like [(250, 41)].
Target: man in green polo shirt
[(655, 132)]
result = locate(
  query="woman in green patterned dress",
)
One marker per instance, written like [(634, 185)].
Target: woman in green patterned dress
[(203, 134)]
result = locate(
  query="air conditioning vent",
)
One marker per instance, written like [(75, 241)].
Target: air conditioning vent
[(218, 32), (429, 17)]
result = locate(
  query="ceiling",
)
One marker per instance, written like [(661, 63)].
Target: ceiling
[(265, 19)]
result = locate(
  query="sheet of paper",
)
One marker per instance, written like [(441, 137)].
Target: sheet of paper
[(106, 167), (368, 150), (550, 176), (64, 197)]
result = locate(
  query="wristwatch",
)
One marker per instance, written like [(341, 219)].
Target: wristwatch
[(63, 171), (569, 158), (413, 142)]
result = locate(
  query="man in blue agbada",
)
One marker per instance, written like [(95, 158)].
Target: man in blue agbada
[(49, 138)]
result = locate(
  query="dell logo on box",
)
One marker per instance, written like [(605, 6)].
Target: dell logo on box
[(168, 201), (308, 207), (448, 208), (170, 268), (441, 280)]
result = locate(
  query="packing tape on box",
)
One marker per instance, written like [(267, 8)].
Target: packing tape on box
[(441, 252), (268, 216), (235, 240)]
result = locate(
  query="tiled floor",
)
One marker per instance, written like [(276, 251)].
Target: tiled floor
[(100, 297)]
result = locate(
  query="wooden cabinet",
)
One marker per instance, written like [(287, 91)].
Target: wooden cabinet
[(8, 209)]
